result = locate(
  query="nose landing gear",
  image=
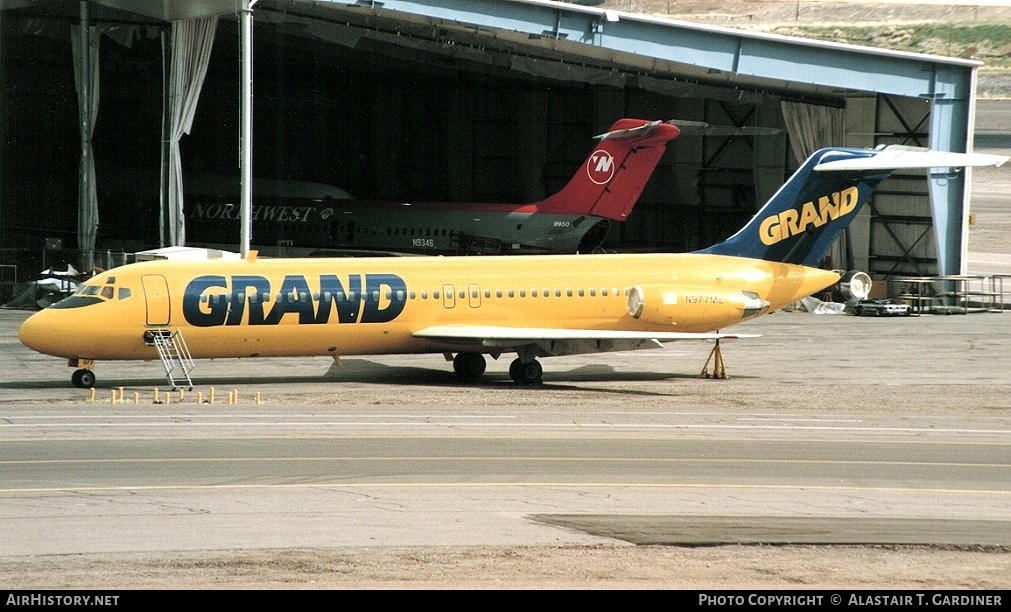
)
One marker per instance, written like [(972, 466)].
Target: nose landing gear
[(83, 379)]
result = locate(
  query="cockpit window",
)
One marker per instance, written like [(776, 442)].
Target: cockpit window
[(87, 294), (77, 301)]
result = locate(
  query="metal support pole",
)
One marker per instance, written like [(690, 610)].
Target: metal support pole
[(246, 140)]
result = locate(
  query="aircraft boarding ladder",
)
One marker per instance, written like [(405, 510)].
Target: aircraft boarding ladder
[(175, 355)]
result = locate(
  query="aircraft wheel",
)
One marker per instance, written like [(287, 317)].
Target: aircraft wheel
[(83, 379), (469, 366), (528, 373)]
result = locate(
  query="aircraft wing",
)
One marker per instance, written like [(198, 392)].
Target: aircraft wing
[(895, 157), (558, 341)]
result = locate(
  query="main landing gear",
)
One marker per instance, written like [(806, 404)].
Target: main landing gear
[(525, 372), (469, 367)]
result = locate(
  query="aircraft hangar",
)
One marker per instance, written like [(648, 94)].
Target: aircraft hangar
[(452, 100)]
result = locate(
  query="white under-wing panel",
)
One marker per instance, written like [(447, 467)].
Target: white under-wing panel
[(544, 342), (533, 334)]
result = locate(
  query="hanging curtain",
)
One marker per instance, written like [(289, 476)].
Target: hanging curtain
[(84, 41), (191, 43), (810, 128)]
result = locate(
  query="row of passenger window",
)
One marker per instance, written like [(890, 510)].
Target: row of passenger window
[(413, 295)]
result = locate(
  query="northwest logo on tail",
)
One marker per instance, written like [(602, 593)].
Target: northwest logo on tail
[(600, 167), (791, 222)]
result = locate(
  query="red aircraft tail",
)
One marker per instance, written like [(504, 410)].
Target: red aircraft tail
[(614, 175)]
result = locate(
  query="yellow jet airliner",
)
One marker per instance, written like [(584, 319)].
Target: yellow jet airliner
[(469, 307)]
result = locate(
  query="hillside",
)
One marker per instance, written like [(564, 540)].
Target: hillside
[(979, 31)]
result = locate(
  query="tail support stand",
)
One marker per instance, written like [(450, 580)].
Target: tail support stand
[(716, 357)]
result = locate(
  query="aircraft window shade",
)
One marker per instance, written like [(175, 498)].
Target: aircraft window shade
[(615, 292), (125, 293)]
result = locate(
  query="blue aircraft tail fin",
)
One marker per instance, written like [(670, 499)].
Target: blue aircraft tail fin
[(801, 221)]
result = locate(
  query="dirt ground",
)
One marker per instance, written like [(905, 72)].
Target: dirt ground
[(620, 567)]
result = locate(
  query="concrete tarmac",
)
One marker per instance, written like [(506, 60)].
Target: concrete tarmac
[(829, 429)]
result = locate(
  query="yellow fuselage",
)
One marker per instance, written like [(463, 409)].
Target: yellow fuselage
[(358, 306)]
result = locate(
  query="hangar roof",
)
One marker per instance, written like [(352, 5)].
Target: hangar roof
[(563, 41)]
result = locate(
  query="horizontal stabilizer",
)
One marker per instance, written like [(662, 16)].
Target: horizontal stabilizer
[(896, 157), (701, 128), (693, 128), (636, 132)]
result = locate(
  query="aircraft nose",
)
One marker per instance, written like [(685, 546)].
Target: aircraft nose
[(36, 333)]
